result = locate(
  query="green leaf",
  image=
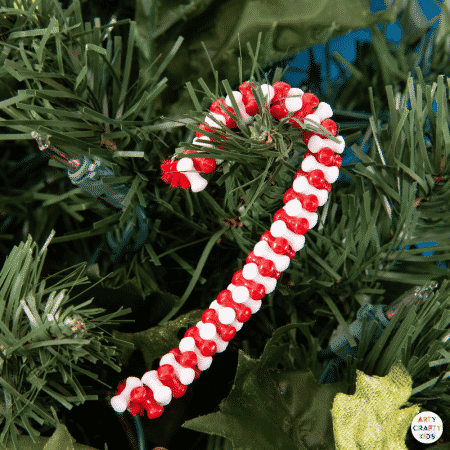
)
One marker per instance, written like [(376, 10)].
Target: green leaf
[(271, 409), (60, 440), (158, 340)]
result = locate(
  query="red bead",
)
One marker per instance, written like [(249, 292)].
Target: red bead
[(121, 386), (251, 108), (206, 347), (187, 359), (309, 102), (299, 115), (337, 161), (141, 398), (281, 90), (330, 125), (243, 313), (166, 374), (256, 290), (205, 165), (295, 224), (309, 202), (316, 179), (266, 267), (279, 245), (226, 332), (307, 135), (279, 111), (138, 394), (325, 156), (203, 126), (217, 109), (169, 165), (180, 180)]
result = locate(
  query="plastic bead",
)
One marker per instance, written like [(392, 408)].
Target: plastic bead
[(166, 374), (205, 165), (316, 178), (266, 268), (226, 332), (294, 208), (297, 225), (225, 298), (256, 290), (281, 261), (186, 166), (217, 109), (184, 374), (309, 202), (250, 272), (209, 331), (162, 394), (188, 344), (302, 186), (268, 92), (120, 401), (279, 229), (294, 101), (141, 398), (206, 347), (218, 308), (279, 245), (316, 143), (331, 173)]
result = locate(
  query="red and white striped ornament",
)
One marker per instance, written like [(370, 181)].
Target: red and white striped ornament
[(264, 264), (282, 100)]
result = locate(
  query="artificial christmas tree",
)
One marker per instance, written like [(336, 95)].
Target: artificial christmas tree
[(108, 121)]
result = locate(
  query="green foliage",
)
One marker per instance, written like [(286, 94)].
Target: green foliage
[(60, 440), (46, 341), (80, 83), (270, 407)]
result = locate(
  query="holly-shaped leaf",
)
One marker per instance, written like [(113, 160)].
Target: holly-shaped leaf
[(158, 340), (271, 409)]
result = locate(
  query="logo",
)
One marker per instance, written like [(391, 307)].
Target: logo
[(427, 427)]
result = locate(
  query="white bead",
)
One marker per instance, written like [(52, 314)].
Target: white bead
[(207, 330), (331, 172), (238, 97), (236, 324), (240, 294), (211, 122), (186, 166), (120, 402), (279, 229), (312, 118), (294, 101), (162, 394), (227, 316), (184, 374), (281, 261), (250, 272), (268, 92), (221, 345), (294, 208), (301, 186), (316, 143), (187, 344), (254, 305), (324, 111)]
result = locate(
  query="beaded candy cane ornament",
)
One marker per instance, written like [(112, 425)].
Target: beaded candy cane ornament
[(270, 256)]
